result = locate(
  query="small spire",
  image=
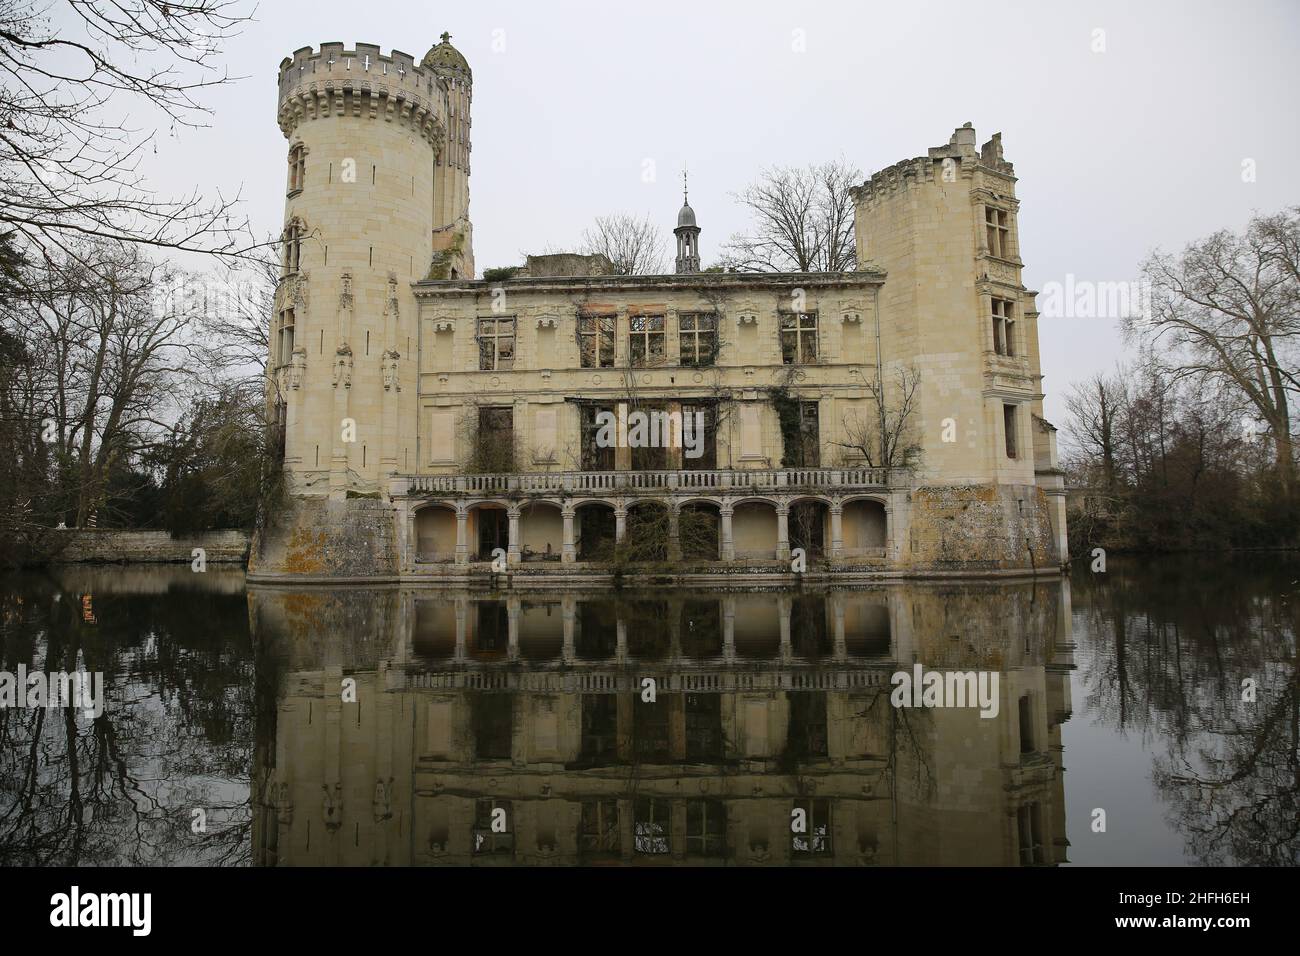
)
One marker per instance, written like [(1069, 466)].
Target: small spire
[(684, 191)]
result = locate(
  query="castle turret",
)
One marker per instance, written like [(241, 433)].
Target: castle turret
[(453, 236), (365, 132)]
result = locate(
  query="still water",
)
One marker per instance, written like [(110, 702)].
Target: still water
[(271, 726)]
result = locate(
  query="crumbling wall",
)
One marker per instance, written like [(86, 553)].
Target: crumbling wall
[(981, 527), (354, 537)]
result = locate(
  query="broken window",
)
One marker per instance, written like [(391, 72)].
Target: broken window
[(699, 338), (703, 728), (808, 728), (999, 234), (492, 718), (599, 727), (599, 834), (651, 726), (595, 455), (496, 344), (647, 341), (706, 828), (494, 450), (1009, 428), (816, 836), (798, 337), (596, 341), (652, 829), (1004, 325), (488, 840), (692, 441)]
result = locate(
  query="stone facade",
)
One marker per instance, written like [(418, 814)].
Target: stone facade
[(469, 408), (109, 546)]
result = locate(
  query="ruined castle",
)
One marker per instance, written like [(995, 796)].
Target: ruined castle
[(437, 425)]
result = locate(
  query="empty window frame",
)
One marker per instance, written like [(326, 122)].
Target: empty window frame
[(599, 832), (496, 344), (798, 332), (816, 838), (652, 826), (698, 333), (1004, 327), (292, 250), (999, 232), (706, 828), (1029, 826), (647, 341), (596, 341), (486, 841)]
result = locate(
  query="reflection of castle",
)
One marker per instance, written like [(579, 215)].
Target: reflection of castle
[(527, 711)]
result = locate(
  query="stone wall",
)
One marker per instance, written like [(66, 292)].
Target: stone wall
[(981, 527), (102, 545), (351, 538)]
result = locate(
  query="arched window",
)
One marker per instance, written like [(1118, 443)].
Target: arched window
[(297, 168)]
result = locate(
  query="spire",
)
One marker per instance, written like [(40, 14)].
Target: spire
[(687, 233)]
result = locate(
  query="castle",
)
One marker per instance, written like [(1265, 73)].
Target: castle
[(883, 421)]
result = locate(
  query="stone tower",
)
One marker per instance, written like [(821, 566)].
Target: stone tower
[(688, 236), (377, 190), (944, 229), (452, 233)]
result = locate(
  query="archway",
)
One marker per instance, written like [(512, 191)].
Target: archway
[(865, 528), (541, 531), (809, 527), (753, 530), (594, 531), (698, 524), (435, 534)]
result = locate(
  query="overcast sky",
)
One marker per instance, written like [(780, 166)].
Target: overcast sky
[(1117, 152)]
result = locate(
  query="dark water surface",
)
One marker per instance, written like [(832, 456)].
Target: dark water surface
[(272, 726)]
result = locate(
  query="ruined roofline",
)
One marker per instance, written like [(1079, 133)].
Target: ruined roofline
[(960, 148), (667, 281)]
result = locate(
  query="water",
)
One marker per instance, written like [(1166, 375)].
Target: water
[(274, 726)]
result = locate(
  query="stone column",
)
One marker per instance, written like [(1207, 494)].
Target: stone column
[(783, 608), (569, 554), (512, 628), (837, 530), (512, 545), (783, 532), (726, 545), (462, 542), (620, 524), (674, 532), (569, 614), (620, 648), (837, 626), (729, 629), (412, 544), (462, 613)]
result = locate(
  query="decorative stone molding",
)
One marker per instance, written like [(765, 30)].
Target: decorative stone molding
[(548, 321), (297, 367), (345, 294)]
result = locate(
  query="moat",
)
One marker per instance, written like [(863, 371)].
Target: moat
[(259, 725)]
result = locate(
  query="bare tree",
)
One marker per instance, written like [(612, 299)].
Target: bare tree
[(635, 246), (1095, 408), (888, 441), (1226, 314), (803, 221), (71, 69)]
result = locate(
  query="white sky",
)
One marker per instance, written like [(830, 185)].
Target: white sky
[(1117, 152)]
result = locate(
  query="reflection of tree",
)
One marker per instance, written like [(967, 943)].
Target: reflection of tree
[(176, 733), (1164, 650)]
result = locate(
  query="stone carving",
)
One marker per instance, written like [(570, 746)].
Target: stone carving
[(332, 806), (343, 366), (345, 296), (390, 370), (382, 804), (297, 368)]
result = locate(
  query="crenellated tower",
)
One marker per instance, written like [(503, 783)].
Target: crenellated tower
[(376, 194)]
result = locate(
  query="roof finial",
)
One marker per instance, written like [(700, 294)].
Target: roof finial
[(446, 37), (684, 192)]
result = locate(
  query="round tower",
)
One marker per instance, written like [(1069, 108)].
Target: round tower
[(364, 132)]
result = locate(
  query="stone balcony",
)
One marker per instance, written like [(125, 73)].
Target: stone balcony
[(774, 481)]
